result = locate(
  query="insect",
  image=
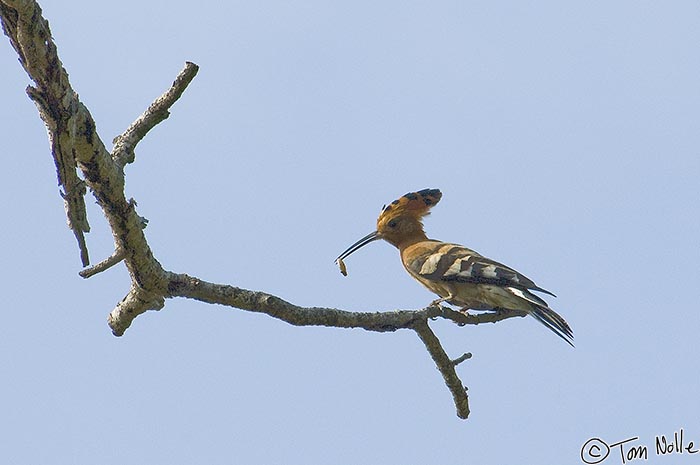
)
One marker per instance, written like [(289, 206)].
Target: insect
[(460, 276), (343, 268)]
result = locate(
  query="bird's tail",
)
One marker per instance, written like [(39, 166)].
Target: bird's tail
[(553, 321), (544, 314)]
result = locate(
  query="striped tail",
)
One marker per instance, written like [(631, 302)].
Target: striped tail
[(544, 314), (553, 321)]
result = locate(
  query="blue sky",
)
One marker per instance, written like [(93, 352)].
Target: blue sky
[(564, 137)]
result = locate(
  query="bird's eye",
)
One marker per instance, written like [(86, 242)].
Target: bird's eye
[(392, 224)]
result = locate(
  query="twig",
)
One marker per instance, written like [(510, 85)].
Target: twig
[(125, 144), (462, 358), (105, 264)]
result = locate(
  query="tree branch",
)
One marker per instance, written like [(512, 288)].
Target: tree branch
[(105, 264), (462, 318), (461, 358), (69, 125), (445, 365), (125, 143), (76, 145)]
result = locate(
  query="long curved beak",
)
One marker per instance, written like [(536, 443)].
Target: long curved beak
[(373, 236)]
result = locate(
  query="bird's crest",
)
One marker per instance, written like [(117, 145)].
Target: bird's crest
[(415, 204)]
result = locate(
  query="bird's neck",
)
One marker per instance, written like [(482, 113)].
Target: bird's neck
[(410, 239)]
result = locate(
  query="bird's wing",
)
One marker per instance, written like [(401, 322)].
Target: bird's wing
[(455, 263)]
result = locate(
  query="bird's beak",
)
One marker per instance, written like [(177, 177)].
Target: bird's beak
[(373, 236)]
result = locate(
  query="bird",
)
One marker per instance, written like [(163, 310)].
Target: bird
[(458, 275)]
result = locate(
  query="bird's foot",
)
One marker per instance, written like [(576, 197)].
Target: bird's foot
[(457, 316), (437, 302)]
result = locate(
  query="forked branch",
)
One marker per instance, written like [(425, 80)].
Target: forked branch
[(77, 148)]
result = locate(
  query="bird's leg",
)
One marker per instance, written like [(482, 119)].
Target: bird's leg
[(437, 302), (457, 316), (447, 312), (464, 310)]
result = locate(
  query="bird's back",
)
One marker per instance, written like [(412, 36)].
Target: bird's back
[(441, 261), (468, 279)]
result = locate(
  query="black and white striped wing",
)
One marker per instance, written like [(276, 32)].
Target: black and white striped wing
[(455, 263)]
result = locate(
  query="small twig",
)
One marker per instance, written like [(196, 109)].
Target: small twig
[(125, 144), (74, 203), (459, 360), (105, 264)]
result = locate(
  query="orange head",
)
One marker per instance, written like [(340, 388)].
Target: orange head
[(400, 223)]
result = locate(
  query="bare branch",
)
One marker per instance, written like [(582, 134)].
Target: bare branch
[(462, 358), (462, 318), (73, 136), (125, 144), (105, 264), (445, 365), (75, 144), (58, 106), (136, 302), (183, 285)]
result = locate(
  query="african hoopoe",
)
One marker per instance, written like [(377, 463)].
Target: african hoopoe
[(460, 276)]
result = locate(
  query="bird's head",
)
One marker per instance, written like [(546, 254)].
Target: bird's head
[(400, 223)]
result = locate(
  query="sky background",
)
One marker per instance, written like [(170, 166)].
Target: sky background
[(564, 136)]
